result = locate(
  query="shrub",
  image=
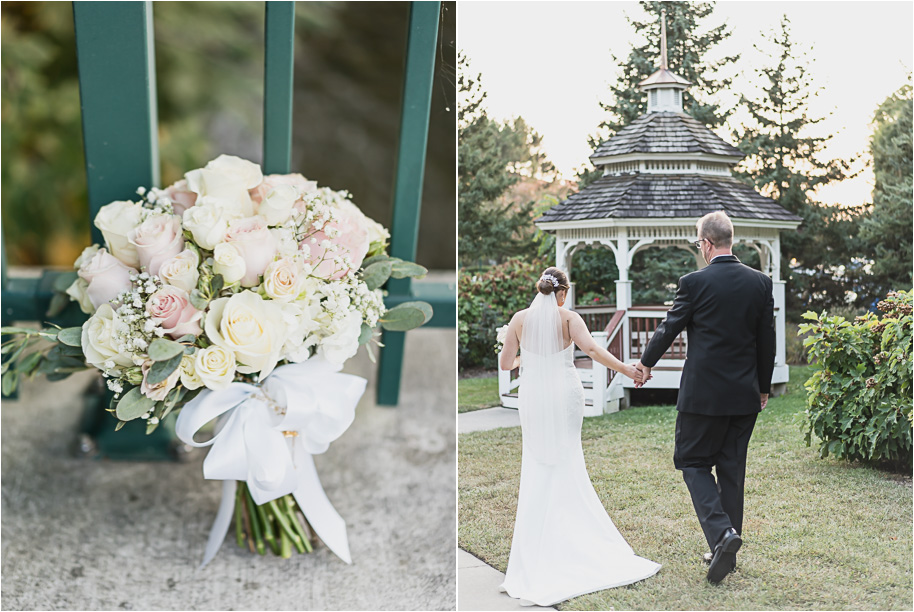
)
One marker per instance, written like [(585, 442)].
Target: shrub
[(859, 396), (486, 300)]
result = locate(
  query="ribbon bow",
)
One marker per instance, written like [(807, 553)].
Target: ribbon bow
[(269, 435)]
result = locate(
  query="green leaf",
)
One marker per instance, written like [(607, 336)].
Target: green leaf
[(365, 334), (16, 330), (186, 338), (216, 285), (71, 336), (402, 269), (161, 370), (197, 300), (59, 302), (376, 274), (133, 405), (9, 382), (119, 425), (28, 365), (406, 316), (162, 349), (374, 259)]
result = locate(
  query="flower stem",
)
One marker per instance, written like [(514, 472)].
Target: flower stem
[(299, 529), (247, 526), (255, 522), (268, 535), (285, 545), (239, 532), (286, 528)]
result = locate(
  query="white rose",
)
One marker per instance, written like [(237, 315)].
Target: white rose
[(282, 280), (377, 233), (181, 270), (189, 377), (79, 292), (207, 224), (501, 334), (249, 326), (86, 256), (116, 220), (215, 367), (343, 344), (229, 178), (301, 323), (277, 207), (229, 263), (99, 338)]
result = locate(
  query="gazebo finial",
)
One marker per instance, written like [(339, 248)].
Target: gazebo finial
[(663, 62)]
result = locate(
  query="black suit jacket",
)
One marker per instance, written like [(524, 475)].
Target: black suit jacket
[(727, 309)]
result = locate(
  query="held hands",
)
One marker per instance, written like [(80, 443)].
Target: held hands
[(639, 373)]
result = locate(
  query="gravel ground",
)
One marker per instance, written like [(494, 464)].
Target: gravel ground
[(105, 535)]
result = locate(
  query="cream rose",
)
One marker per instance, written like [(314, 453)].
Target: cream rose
[(249, 326), (157, 239), (282, 280), (215, 367), (301, 184), (277, 207), (78, 291), (256, 245), (344, 343), (207, 223), (107, 277), (286, 245), (116, 220), (100, 340), (159, 391), (229, 178), (351, 245), (189, 377), (181, 197), (170, 308), (181, 270), (227, 261)]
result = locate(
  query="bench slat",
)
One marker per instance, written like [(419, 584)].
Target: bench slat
[(279, 62)]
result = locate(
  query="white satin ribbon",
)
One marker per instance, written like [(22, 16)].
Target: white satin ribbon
[(311, 402)]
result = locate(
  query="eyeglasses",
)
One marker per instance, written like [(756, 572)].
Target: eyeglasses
[(698, 242)]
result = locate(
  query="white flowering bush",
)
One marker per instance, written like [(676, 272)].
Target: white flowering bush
[(219, 278)]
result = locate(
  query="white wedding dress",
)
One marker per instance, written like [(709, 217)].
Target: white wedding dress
[(564, 543)]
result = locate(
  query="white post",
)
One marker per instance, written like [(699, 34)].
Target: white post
[(599, 387), (623, 289), (780, 323), (559, 253)]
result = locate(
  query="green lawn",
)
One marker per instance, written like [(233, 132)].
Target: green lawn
[(477, 393), (819, 534)]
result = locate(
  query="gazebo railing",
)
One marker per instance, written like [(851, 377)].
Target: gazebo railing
[(642, 323)]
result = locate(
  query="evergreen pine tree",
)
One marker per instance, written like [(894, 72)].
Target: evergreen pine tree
[(888, 229), (783, 161)]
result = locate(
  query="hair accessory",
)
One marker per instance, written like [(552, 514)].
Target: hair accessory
[(550, 278)]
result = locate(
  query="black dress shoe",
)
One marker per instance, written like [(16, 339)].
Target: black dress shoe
[(724, 559)]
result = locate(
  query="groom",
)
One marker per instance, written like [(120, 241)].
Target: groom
[(728, 310)]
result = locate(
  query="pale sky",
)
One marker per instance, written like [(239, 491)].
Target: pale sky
[(551, 63)]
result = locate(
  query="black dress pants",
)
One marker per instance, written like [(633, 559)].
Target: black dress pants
[(721, 442)]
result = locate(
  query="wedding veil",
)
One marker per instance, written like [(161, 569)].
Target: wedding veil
[(544, 390)]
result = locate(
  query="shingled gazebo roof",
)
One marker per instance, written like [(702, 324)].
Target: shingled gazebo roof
[(666, 132), (652, 196)]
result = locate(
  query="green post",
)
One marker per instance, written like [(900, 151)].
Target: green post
[(279, 61), (417, 100), (117, 93)]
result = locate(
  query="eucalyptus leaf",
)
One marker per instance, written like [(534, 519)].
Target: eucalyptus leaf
[(216, 285), (197, 300), (365, 334), (70, 351), (161, 370), (16, 330), (63, 281), (406, 316), (71, 336), (374, 259), (162, 349), (9, 347), (119, 425), (403, 269), (9, 382), (55, 376), (28, 365), (376, 274), (133, 405), (59, 302), (186, 338)]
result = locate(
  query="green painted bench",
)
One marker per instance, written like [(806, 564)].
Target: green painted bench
[(114, 44)]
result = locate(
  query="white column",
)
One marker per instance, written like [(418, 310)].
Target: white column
[(623, 289), (559, 253), (775, 259), (780, 323)]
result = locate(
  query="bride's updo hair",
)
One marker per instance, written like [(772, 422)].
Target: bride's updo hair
[(551, 281)]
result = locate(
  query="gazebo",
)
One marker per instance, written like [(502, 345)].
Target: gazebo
[(661, 174)]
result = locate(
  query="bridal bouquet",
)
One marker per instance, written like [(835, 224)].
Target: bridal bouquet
[(233, 297)]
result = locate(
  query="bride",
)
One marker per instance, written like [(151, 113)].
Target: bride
[(564, 543)]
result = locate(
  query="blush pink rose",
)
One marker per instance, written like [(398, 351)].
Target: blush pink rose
[(157, 239), (181, 197), (159, 391), (352, 241), (256, 244), (107, 276), (272, 180), (170, 308)]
